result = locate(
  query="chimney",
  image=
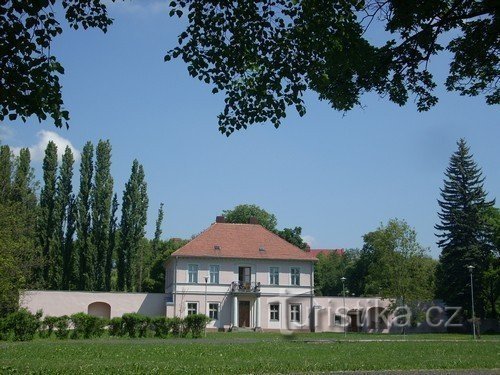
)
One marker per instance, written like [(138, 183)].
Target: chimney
[(220, 219), (308, 248), (253, 220)]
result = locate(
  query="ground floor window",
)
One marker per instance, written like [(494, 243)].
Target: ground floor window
[(295, 312), (213, 311), (274, 309), (192, 308)]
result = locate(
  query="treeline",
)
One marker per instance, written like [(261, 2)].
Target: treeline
[(392, 264), (75, 240)]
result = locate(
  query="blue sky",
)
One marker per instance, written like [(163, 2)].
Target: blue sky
[(336, 175)]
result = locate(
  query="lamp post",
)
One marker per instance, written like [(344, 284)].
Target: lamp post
[(471, 269), (206, 307), (343, 299)]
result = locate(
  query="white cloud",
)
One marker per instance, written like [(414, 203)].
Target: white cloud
[(5, 132), (310, 240), (44, 137), (138, 7)]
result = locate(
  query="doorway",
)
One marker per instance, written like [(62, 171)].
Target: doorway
[(244, 314)]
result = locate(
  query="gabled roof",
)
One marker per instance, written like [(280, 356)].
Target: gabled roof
[(243, 241)]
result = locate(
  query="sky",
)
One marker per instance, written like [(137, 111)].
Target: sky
[(336, 175)]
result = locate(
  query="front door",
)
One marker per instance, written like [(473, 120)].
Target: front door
[(244, 313)]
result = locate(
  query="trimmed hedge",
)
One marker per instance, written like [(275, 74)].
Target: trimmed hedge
[(196, 324), (22, 325), (135, 324), (62, 327), (115, 327), (87, 326)]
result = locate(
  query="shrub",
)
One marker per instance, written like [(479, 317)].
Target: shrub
[(116, 327), (196, 324), (47, 326), (23, 324), (161, 326), (177, 327), (135, 324), (87, 326), (62, 327), (4, 331)]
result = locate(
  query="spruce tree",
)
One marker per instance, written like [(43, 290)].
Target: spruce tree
[(464, 234), (61, 268), (6, 167), (111, 243), (47, 222), (133, 221), (102, 194), (86, 257)]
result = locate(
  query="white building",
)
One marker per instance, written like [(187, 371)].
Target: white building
[(240, 275)]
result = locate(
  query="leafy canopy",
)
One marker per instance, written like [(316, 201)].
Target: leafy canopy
[(265, 54)]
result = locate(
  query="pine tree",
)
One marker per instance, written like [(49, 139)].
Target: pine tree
[(86, 257), (464, 235), (6, 168), (60, 271), (102, 194), (47, 222), (111, 243), (133, 221)]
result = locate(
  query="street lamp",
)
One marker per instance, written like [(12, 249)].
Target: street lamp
[(343, 298), (471, 269), (206, 307)]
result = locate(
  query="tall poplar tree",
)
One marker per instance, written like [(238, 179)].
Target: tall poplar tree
[(465, 238), (158, 231), (60, 274), (133, 221), (102, 194), (86, 257), (6, 167), (111, 243), (47, 222), (24, 185)]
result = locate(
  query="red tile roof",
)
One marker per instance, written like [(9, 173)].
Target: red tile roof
[(315, 252), (250, 241)]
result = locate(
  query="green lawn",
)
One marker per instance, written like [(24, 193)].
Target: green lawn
[(237, 353)]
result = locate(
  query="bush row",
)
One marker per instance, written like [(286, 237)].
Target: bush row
[(23, 325)]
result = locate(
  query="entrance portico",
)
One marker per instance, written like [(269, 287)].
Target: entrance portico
[(246, 308)]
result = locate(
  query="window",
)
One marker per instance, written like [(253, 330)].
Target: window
[(214, 274), (295, 312), (274, 276), (193, 273), (274, 310), (192, 308), (244, 275), (295, 275), (213, 311)]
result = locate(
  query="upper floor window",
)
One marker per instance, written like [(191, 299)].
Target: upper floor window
[(295, 312), (193, 273), (213, 311), (295, 275), (192, 308), (274, 276), (214, 274)]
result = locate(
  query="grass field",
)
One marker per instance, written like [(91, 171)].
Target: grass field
[(241, 353)]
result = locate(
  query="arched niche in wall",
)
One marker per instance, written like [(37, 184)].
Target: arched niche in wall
[(101, 309)]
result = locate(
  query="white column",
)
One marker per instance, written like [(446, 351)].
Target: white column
[(235, 311), (257, 312)]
